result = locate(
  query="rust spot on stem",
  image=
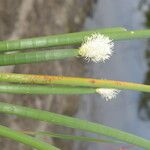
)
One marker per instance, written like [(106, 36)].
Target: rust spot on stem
[(43, 79), (93, 81), (121, 84)]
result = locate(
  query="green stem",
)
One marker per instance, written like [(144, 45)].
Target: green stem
[(74, 123), (53, 40), (40, 56), (69, 39), (72, 81), (70, 137), (129, 35), (32, 89), (35, 57), (25, 139)]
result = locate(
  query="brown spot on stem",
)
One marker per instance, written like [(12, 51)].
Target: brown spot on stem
[(93, 81), (119, 83), (44, 79)]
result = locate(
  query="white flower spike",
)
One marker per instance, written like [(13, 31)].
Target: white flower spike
[(107, 94), (97, 48)]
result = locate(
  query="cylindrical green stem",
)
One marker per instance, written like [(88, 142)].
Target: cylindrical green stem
[(35, 57), (32, 89), (72, 81), (74, 123), (53, 40), (70, 39), (71, 137), (25, 139), (128, 35)]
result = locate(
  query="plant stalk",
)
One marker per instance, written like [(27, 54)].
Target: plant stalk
[(25, 139), (37, 89), (36, 56), (70, 39), (70, 137), (72, 81), (74, 123), (53, 40)]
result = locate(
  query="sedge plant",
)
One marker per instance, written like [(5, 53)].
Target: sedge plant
[(75, 123), (108, 89), (53, 40), (25, 139), (72, 81), (95, 45), (86, 50), (70, 137)]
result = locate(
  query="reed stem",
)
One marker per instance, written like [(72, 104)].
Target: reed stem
[(53, 40), (74, 123), (70, 137), (71, 39), (25, 139), (72, 81), (35, 57), (37, 89)]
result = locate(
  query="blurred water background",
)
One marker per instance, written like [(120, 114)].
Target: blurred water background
[(128, 63)]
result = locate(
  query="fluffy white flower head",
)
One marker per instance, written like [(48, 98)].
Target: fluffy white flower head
[(97, 48), (107, 94)]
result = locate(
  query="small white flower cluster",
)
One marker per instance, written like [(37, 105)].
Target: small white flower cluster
[(97, 48), (107, 94)]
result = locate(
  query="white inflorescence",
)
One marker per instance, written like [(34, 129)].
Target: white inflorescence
[(108, 94), (97, 48)]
